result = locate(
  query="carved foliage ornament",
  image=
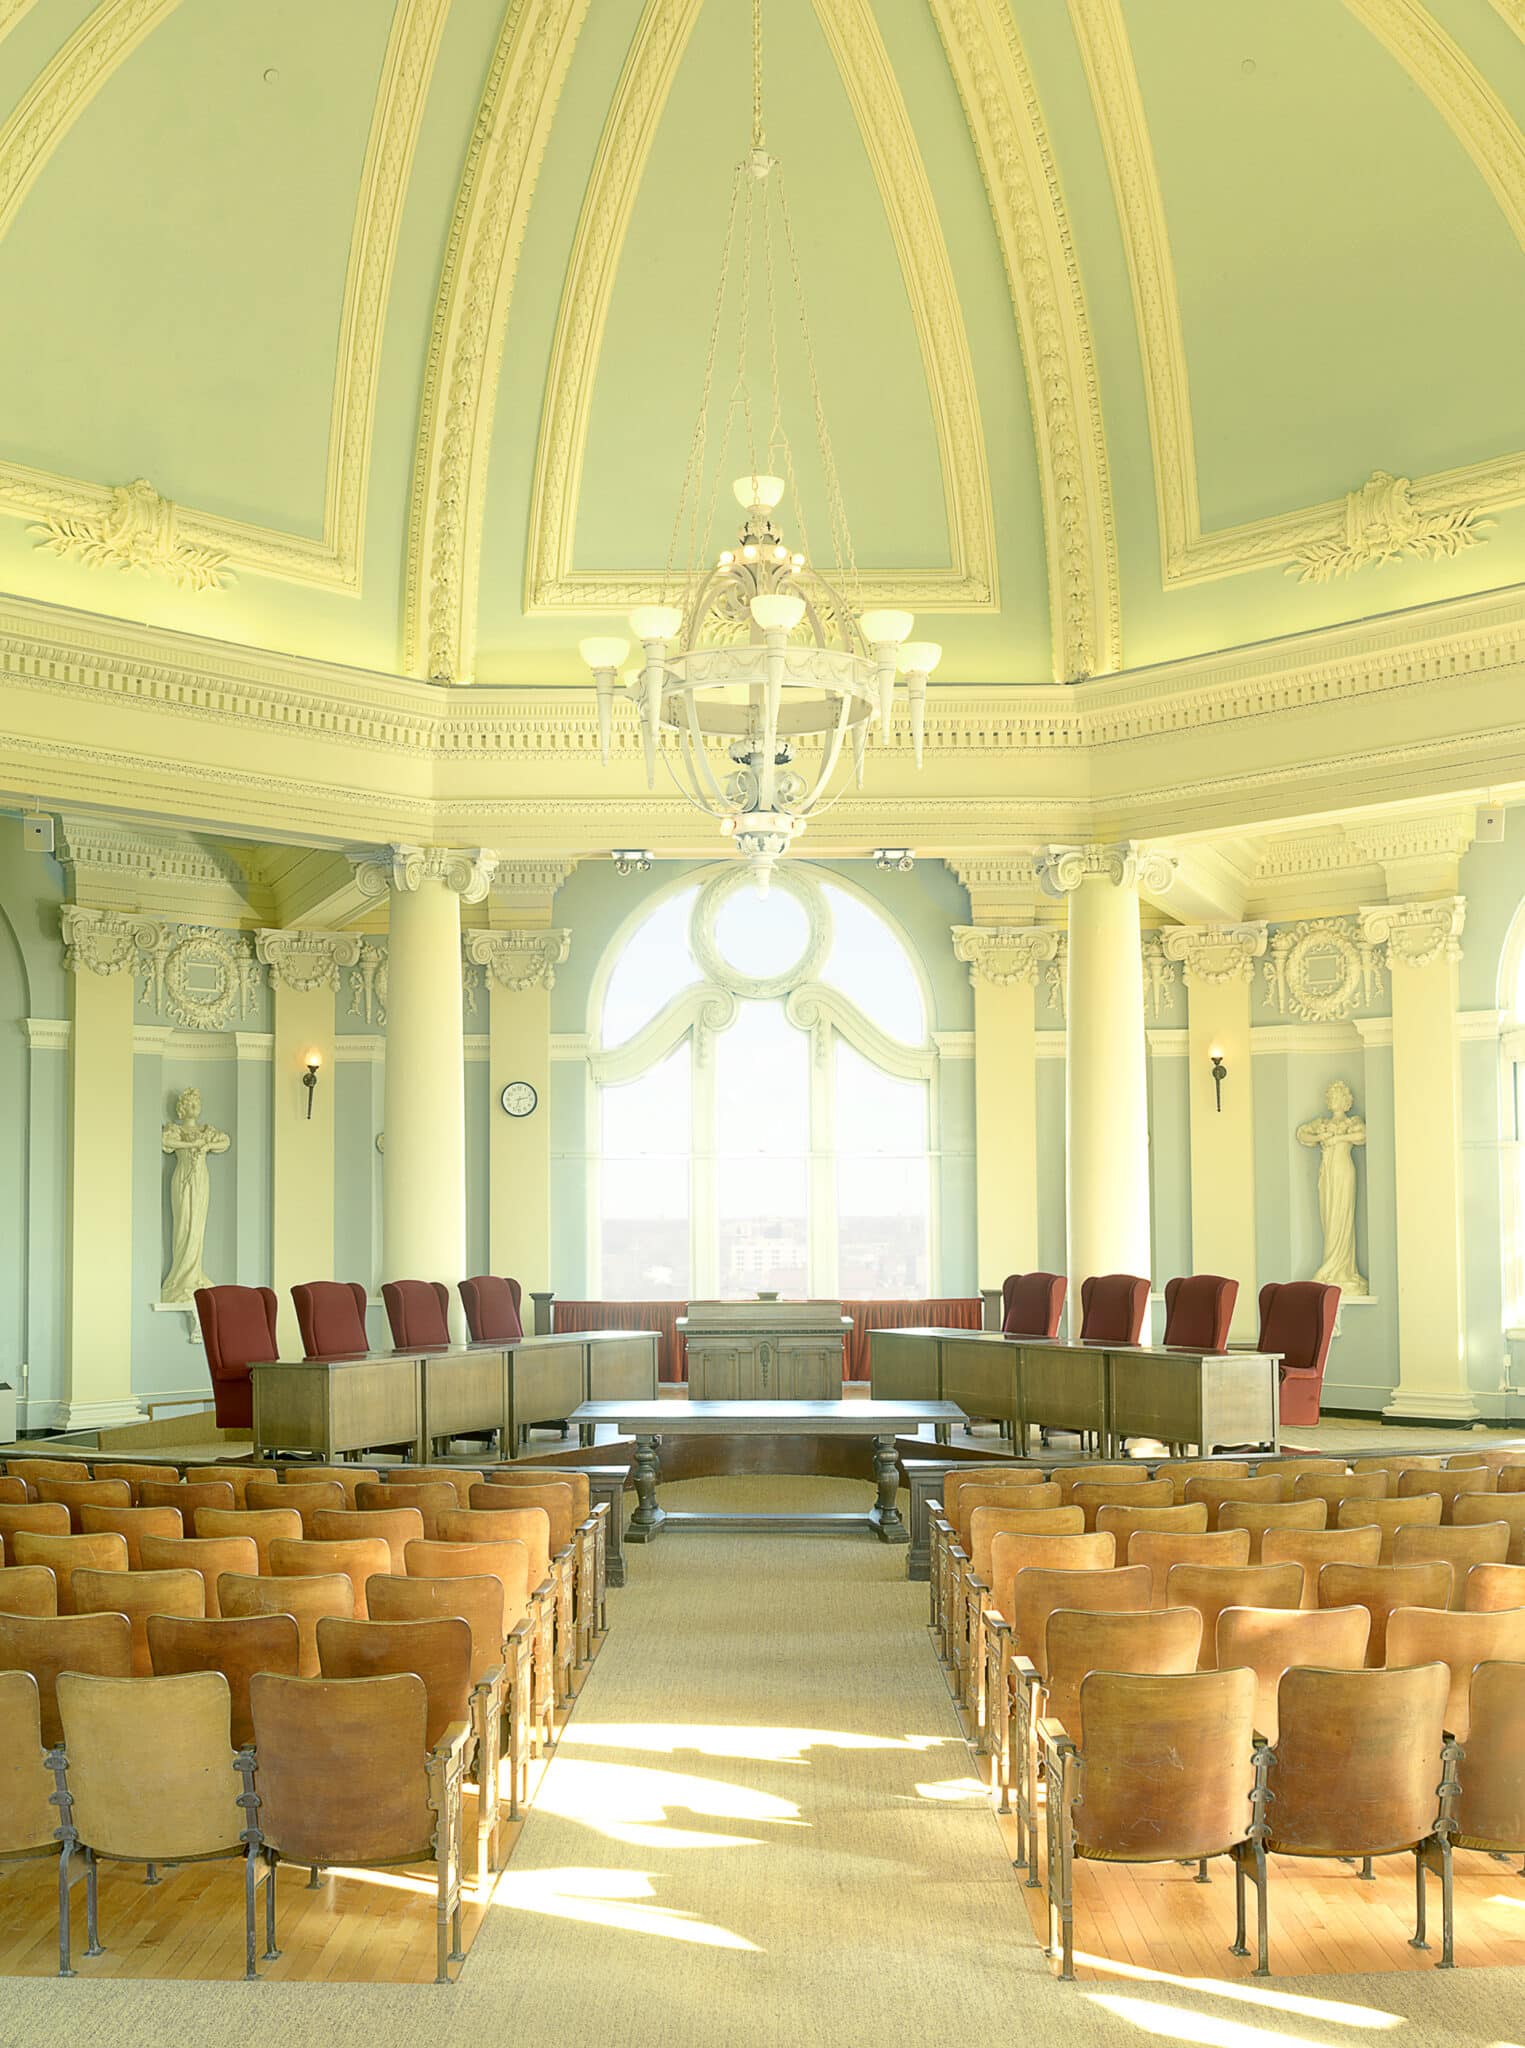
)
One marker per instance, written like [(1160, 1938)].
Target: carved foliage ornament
[(136, 530), (407, 868), (1004, 955), (1416, 934), (1322, 969), (519, 960), (1061, 869), (1159, 978), (1215, 954), (1382, 523), (304, 961)]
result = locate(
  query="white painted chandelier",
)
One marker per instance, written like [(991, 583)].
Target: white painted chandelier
[(765, 675)]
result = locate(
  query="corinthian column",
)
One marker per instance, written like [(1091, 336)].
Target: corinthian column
[(423, 1187), (1106, 1099)]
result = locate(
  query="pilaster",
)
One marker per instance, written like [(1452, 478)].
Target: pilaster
[(1218, 962), (1005, 962), (1423, 942)]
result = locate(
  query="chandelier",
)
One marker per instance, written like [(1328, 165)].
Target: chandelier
[(764, 674)]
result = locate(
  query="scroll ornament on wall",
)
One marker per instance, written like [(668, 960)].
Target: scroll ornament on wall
[(190, 1194), (1336, 1135), (203, 978)]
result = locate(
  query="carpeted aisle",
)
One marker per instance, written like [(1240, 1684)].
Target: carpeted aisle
[(761, 1828)]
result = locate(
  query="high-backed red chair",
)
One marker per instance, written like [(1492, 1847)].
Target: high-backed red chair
[(1112, 1308), (1199, 1310), (492, 1309), (419, 1313), (1297, 1319), (1031, 1304), (331, 1318), (238, 1330)]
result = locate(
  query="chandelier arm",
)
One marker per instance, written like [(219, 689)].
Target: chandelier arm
[(687, 795), (692, 737), (830, 756)]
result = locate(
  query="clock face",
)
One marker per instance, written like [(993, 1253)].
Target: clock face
[(519, 1098)]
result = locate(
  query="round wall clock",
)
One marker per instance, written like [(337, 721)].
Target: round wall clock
[(519, 1098)]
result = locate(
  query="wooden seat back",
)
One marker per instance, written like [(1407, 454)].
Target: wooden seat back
[(1429, 1635), (529, 1526), (1260, 1515), (1037, 1593), (1312, 1549), (65, 1555), (1189, 1518), (438, 1650), (1335, 1489), (582, 1493), (308, 1497), (1179, 1470), (306, 1600), (212, 1556), (1092, 1495), (28, 1818), (1119, 1472), (75, 1494), (461, 1478), (32, 1517), (1450, 1484), (262, 1526), (1492, 1588), (1405, 1511), (1020, 1500), (239, 1477), (13, 1492), (1395, 1466), (138, 1595), (1271, 1640), (349, 1477), (1168, 1764), (395, 1527), (1357, 1759), (1461, 1547), (478, 1601), (187, 1495), (1078, 1642), (1062, 1551), (1292, 1469), (556, 1499), (1511, 1478), (508, 1561), (1381, 1589), (28, 1589), (361, 1795), (983, 1474), (311, 1558), (1214, 1492), (1490, 1812), (1161, 1550), (45, 1645), (33, 1469), (138, 1476), (1509, 1508), (431, 1498), (1212, 1587), (236, 1645), (132, 1525), (151, 1770), (986, 1523)]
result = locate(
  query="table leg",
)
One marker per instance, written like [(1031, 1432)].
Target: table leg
[(884, 1515), (646, 1523)]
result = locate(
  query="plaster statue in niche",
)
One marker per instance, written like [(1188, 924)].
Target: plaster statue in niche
[(190, 1193), (1335, 1135)]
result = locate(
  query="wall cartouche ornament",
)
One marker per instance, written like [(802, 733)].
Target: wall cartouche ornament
[(1322, 969)]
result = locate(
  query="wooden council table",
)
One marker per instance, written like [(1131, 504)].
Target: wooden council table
[(649, 1421)]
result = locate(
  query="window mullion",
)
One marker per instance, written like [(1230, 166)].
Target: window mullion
[(822, 1194), (704, 1181)]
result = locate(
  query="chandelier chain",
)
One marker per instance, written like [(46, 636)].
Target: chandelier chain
[(692, 492), (757, 75), (841, 534)]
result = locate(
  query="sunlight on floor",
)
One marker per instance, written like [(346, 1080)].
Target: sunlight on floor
[(758, 1745), (602, 1898), (952, 1790), (1343, 2014), (631, 1804), (1170, 2022)]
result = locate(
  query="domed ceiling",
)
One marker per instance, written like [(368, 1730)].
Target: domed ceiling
[(376, 332)]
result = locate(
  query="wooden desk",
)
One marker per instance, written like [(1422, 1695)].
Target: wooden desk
[(543, 1380), (462, 1391), (650, 1421), (332, 1406), (1191, 1397), (621, 1365), (764, 1350)]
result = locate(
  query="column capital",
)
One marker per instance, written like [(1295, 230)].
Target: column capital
[(106, 941), (1123, 863), (398, 868), (1004, 955), (519, 960), (1215, 954), (306, 960), (1415, 934)]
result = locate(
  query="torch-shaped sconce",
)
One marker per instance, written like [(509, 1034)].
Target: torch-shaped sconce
[(1219, 1073), (310, 1080)]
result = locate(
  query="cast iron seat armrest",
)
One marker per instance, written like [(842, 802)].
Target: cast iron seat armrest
[(601, 1566), (1026, 1690), (564, 1571), (976, 1597), (542, 1617), (518, 1709), (954, 1622), (996, 1630), (447, 1771), (585, 1589), (486, 1705), (939, 1536), (1056, 1739)]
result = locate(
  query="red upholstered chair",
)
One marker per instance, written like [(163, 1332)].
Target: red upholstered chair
[(1112, 1308), (331, 1318), (492, 1309), (1198, 1311), (1031, 1304), (238, 1330), (419, 1313), (1297, 1319)]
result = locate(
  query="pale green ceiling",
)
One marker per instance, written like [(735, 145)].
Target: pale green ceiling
[(1351, 295)]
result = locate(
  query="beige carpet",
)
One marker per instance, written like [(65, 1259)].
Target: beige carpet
[(760, 1828)]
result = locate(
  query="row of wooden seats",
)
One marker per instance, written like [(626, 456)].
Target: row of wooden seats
[(1165, 1763), (144, 1770)]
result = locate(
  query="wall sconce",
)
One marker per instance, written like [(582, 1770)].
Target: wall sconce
[(1219, 1073), (631, 860), (310, 1080), (894, 859)]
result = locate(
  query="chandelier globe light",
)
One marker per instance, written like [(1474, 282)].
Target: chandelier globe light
[(762, 673)]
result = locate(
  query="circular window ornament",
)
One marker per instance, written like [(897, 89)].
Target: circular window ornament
[(715, 929)]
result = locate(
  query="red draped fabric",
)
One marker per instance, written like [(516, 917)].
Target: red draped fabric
[(950, 1312), (661, 1316)]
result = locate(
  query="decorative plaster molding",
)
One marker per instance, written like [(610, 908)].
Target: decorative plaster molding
[(1189, 555), (241, 1048), (1382, 523), (1056, 977), (1322, 968), (368, 984), (1000, 887), (406, 868), (825, 1012), (520, 960), (1001, 105), (104, 941), (1004, 955), (1159, 976), (1215, 954), (1171, 1044), (203, 978), (569, 1045), (700, 1011), (47, 1034), (1415, 934), (11, 13), (1375, 1033), (105, 849), (954, 1045), (477, 277), (131, 526), (552, 583), (358, 1049), (306, 960), (1062, 869), (1276, 1039)]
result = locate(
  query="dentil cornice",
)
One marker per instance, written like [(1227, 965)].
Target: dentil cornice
[(1004, 955), (520, 960), (405, 869), (1416, 934), (1062, 869), (1215, 954)]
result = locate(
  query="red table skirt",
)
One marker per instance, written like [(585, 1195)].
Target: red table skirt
[(950, 1312)]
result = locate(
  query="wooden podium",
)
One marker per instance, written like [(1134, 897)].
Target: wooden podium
[(764, 1350)]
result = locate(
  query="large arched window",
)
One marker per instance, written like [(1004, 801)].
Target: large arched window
[(764, 1071)]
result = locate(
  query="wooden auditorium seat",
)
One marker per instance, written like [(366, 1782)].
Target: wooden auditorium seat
[(304, 1497), (67, 1554), (1491, 1588), (1412, 1511), (395, 1527), (1259, 1516), (28, 1589), (1179, 1470), (975, 1576), (438, 1649), (1161, 1550), (1382, 1589), (236, 1645), (187, 1495), (212, 1556), (1335, 1489), (262, 1526), (1462, 1548), (75, 1494), (460, 1477), (1091, 1495), (28, 1817), (237, 1331), (1430, 1635), (306, 1600), (309, 1558), (45, 1645), (1272, 1640), (350, 1477), (132, 1525), (1508, 1508), (430, 1498), (1265, 1487), (138, 1595), (1489, 1813), (1450, 1484), (1312, 1549), (1212, 1587), (138, 1475)]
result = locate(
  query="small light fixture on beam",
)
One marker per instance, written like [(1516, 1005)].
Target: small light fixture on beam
[(310, 1079), (1219, 1074), (632, 860), (894, 859)]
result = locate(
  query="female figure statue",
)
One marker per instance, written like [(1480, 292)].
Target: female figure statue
[(190, 1193), (1334, 1135)]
